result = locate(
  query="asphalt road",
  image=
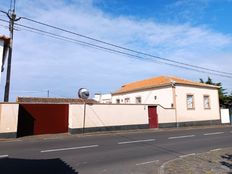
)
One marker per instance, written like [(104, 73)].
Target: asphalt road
[(124, 153)]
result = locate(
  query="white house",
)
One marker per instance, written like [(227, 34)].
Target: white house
[(192, 101)]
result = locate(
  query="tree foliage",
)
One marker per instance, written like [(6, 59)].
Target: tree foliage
[(224, 99)]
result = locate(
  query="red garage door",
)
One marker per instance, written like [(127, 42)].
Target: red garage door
[(37, 119)]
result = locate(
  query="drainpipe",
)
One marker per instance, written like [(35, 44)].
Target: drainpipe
[(173, 83)]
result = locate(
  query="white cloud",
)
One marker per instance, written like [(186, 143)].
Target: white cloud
[(41, 63)]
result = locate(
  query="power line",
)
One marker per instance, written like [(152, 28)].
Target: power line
[(4, 26), (56, 36), (116, 51), (127, 49), (117, 46)]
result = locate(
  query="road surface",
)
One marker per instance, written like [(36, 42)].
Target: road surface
[(124, 153)]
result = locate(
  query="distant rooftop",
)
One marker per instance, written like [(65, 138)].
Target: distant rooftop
[(158, 82)]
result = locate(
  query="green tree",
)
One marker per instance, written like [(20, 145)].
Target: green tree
[(224, 99)]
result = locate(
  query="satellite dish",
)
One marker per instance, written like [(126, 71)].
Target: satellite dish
[(83, 93)]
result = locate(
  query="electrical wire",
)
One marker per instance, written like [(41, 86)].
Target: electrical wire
[(4, 26), (38, 31), (117, 46), (116, 51), (127, 49)]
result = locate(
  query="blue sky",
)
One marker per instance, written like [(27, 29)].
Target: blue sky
[(192, 31), (212, 13)]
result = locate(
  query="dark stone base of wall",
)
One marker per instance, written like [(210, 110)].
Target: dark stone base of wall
[(8, 135), (191, 123), (108, 128), (167, 125), (144, 126)]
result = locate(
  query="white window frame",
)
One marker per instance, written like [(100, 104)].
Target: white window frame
[(127, 100), (118, 101), (192, 102), (136, 100), (208, 104)]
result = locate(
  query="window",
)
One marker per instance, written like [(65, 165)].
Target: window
[(190, 101), (138, 100), (127, 100), (117, 101), (155, 97), (206, 102)]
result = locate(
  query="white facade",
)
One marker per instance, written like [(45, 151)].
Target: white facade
[(199, 112), (225, 116), (103, 98), (8, 118), (204, 101), (104, 115), (161, 96)]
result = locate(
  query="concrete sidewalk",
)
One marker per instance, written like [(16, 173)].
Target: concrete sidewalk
[(217, 161)]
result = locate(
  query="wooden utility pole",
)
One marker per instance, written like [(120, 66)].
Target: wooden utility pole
[(12, 17)]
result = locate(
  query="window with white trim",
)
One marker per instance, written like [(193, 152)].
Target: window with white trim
[(138, 100), (127, 100), (206, 102), (118, 101), (190, 101)]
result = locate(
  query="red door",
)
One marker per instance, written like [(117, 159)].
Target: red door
[(153, 117)]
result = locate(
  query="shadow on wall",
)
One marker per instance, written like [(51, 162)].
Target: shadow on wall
[(26, 123), (34, 166)]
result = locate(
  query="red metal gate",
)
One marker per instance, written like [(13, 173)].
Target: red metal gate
[(37, 119), (153, 117)]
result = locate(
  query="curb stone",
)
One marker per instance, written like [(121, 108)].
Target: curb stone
[(161, 168)]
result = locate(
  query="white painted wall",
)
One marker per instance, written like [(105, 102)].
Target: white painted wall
[(225, 116), (8, 118), (165, 98), (103, 98), (199, 113), (166, 115), (163, 95), (107, 115), (101, 115)]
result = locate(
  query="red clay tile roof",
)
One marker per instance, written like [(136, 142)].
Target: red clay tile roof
[(158, 82)]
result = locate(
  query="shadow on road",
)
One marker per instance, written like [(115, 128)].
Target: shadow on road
[(34, 166), (227, 161)]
